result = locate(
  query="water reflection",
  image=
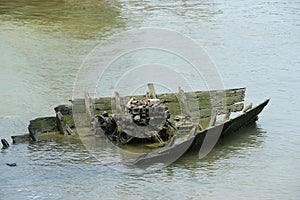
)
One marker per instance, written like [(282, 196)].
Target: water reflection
[(237, 145), (82, 19), (61, 151), (166, 13)]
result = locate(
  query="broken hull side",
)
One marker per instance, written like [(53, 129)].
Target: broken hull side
[(231, 125), (194, 143), (165, 156)]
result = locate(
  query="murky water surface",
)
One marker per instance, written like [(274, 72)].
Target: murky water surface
[(255, 44)]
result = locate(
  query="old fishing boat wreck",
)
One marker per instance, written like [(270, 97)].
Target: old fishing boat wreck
[(168, 123)]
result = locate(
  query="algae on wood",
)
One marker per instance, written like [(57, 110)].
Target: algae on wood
[(206, 104)]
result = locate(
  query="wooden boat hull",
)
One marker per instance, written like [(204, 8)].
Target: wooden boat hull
[(63, 123)]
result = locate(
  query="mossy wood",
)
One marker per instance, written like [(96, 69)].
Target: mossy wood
[(202, 103)]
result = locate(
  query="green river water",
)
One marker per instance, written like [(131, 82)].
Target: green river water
[(254, 44)]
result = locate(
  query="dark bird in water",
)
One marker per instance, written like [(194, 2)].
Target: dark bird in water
[(11, 164)]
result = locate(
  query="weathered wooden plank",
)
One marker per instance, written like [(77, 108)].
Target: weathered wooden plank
[(234, 108), (167, 97), (204, 106), (200, 95), (176, 109), (205, 99)]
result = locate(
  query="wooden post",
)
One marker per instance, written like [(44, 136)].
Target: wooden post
[(89, 108), (152, 93), (118, 103), (61, 123), (183, 102), (63, 127)]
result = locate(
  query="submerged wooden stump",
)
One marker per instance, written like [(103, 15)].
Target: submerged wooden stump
[(5, 144)]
